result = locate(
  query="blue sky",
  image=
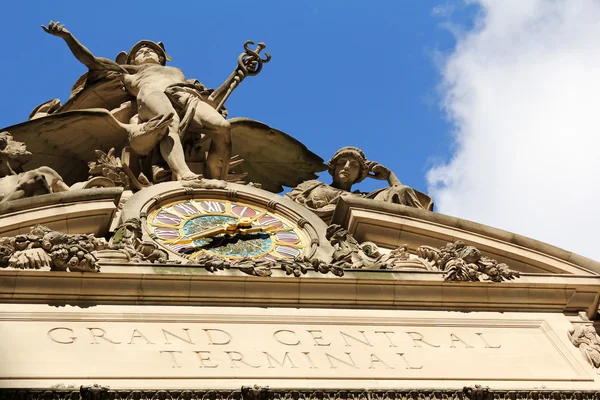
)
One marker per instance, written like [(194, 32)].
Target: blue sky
[(343, 73), (489, 106)]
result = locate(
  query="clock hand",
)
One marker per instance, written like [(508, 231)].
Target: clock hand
[(200, 235), (242, 226), (256, 229)]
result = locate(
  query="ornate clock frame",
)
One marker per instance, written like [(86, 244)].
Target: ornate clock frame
[(141, 204)]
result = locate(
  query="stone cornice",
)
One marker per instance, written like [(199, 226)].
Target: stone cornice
[(424, 290), (351, 213), (68, 197)]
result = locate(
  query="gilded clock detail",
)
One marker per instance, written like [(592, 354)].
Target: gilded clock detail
[(230, 229)]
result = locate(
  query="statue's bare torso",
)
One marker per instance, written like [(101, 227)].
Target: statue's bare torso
[(150, 78)]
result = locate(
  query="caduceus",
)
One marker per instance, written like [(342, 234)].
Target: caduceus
[(250, 63)]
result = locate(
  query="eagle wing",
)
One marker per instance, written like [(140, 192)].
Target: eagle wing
[(271, 157), (67, 141), (97, 89)]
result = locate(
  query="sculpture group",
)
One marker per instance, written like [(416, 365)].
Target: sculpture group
[(136, 121), (152, 124)]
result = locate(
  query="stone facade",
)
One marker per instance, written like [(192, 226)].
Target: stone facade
[(140, 270)]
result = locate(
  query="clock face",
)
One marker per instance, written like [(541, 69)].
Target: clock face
[(231, 229)]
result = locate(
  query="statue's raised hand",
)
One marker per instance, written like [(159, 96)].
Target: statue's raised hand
[(56, 29), (378, 171)]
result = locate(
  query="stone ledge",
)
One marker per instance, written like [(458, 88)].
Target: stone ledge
[(406, 290), (74, 196)]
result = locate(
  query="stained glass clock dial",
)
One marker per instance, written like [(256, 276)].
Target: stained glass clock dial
[(230, 229)]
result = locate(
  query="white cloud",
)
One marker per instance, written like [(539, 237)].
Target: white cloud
[(522, 89)]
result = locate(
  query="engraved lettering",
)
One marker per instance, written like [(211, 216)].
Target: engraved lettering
[(350, 364), (310, 361), (454, 339), (418, 338), (137, 334), (317, 336), (235, 357), (408, 365), (277, 335), (205, 361), (487, 345), (375, 359), (281, 364), (171, 353), (218, 332), (365, 342), (188, 340), (102, 335), (71, 339), (385, 333)]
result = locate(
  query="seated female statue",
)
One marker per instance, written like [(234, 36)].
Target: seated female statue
[(349, 166)]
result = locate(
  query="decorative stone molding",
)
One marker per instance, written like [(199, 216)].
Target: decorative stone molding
[(232, 193), (255, 393), (272, 205), (44, 248), (477, 392), (257, 267), (264, 393)]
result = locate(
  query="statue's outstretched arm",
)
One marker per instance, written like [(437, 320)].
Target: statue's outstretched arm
[(80, 51)]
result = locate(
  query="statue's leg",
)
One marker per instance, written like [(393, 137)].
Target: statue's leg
[(155, 103), (219, 130)]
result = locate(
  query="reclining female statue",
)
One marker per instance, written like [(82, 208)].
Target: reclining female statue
[(349, 166)]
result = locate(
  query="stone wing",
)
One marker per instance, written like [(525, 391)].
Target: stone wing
[(271, 157), (67, 141), (97, 89)]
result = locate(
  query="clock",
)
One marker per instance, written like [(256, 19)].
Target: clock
[(226, 220), (232, 229)]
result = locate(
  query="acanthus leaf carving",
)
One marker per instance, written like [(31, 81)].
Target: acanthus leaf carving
[(461, 262), (458, 261), (261, 267), (110, 167), (128, 240)]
